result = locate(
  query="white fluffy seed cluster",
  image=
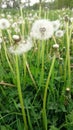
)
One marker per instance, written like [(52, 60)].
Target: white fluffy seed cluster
[(4, 24), (42, 29), (22, 47)]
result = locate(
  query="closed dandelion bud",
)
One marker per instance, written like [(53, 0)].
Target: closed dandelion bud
[(56, 50), (16, 38), (56, 46), (4, 24), (66, 18), (68, 93), (67, 89)]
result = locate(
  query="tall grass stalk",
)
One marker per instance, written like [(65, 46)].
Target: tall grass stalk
[(20, 94), (45, 93)]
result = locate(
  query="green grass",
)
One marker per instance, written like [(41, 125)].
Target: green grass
[(33, 93)]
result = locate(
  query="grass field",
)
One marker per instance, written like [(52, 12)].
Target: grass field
[(36, 69)]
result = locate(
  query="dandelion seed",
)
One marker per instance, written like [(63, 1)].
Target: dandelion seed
[(42, 29), (4, 24)]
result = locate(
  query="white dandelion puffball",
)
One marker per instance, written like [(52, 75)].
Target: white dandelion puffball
[(42, 29), (4, 24), (59, 33), (23, 47), (56, 24)]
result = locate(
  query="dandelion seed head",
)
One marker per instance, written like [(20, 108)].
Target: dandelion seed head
[(42, 29), (23, 47), (59, 33), (4, 24), (56, 24)]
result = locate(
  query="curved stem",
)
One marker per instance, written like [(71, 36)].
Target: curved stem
[(31, 75), (8, 59), (45, 94)]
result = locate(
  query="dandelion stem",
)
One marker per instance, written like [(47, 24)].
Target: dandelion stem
[(8, 59), (21, 11), (45, 94), (68, 55), (20, 94), (24, 65), (31, 75), (42, 69)]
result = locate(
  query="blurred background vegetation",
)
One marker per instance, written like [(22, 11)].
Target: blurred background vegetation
[(54, 4)]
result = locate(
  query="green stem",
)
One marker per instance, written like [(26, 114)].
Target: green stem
[(20, 94), (10, 37), (27, 65), (24, 65), (42, 69), (5, 49), (45, 94), (21, 11), (68, 56)]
